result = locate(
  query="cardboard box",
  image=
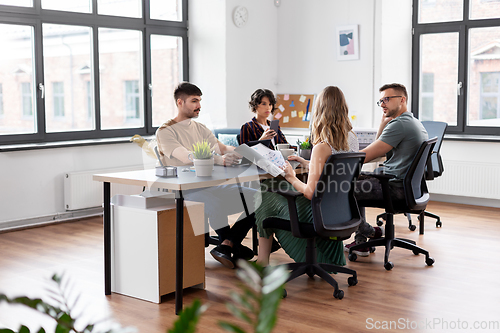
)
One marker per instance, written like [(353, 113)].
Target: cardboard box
[(143, 250)]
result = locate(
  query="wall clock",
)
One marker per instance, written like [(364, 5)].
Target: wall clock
[(240, 16)]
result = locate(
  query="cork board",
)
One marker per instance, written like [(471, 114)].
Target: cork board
[(294, 110)]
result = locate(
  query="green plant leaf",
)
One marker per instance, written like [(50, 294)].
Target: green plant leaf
[(62, 329), (6, 330), (242, 300), (188, 318), (238, 313), (230, 327), (24, 329), (41, 330)]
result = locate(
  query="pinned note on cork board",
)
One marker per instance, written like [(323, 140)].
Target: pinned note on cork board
[(294, 110)]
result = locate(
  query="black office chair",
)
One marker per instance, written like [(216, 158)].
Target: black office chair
[(416, 199), (436, 168), (335, 216)]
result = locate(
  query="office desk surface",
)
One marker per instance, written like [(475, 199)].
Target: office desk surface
[(185, 180)]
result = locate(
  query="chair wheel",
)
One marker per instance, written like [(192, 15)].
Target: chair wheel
[(379, 222), (352, 256), (429, 261), (439, 224), (284, 293), (389, 265), (311, 275), (372, 249), (352, 281), (415, 252), (339, 294), (412, 227)]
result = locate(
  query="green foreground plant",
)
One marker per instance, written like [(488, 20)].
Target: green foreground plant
[(61, 312), (261, 295), (256, 305)]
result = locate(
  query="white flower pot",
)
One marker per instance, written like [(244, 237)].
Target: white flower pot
[(203, 168)]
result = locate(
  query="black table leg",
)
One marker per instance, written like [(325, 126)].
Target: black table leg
[(179, 247), (107, 238)]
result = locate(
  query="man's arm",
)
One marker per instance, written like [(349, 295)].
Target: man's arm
[(181, 153), (376, 149)]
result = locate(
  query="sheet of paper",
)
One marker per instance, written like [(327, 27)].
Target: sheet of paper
[(294, 114), (286, 97), (286, 119), (301, 114), (277, 115), (302, 99), (272, 156), (281, 107)]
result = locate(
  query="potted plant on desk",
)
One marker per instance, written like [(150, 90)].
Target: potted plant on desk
[(305, 149), (203, 159)]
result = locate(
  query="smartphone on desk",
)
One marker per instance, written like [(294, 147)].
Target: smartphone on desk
[(274, 125)]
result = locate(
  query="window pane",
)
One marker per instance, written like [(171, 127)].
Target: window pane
[(484, 75), (165, 74), (19, 3), (168, 10), (120, 60), (440, 11), (80, 6), (127, 8), (68, 66), (17, 79), (482, 9), (439, 60)]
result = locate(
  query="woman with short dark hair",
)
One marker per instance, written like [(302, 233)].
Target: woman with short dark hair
[(262, 103)]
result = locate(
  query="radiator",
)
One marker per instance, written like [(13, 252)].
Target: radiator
[(470, 179), (80, 191)]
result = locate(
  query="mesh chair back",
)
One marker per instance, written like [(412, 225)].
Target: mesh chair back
[(334, 208), (416, 192), (436, 129)]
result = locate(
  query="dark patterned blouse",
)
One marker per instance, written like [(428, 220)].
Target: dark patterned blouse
[(252, 131)]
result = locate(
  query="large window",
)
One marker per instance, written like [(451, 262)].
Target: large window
[(456, 65), (69, 75)]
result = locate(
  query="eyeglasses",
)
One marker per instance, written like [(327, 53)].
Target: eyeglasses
[(385, 100)]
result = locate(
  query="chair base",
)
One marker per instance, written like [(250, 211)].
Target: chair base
[(411, 226), (311, 268), (389, 242)]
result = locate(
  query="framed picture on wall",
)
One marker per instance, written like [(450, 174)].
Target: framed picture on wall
[(347, 42)]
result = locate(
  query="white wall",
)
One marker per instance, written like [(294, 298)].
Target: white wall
[(229, 63), (307, 60), (31, 181)]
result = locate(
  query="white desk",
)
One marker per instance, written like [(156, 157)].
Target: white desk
[(184, 181)]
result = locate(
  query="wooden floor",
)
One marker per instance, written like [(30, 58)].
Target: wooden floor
[(461, 288)]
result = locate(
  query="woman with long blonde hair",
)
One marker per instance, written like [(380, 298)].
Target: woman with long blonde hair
[(331, 133)]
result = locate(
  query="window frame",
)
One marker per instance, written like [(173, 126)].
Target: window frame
[(36, 16), (462, 28)]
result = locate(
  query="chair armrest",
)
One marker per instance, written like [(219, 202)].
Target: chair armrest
[(291, 196)]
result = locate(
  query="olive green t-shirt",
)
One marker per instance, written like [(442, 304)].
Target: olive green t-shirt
[(405, 134)]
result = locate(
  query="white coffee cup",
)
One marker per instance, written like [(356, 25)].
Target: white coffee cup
[(280, 146), (287, 152)]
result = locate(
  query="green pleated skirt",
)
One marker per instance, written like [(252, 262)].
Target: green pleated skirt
[(275, 205)]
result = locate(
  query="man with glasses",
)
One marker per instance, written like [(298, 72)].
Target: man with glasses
[(398, 138)]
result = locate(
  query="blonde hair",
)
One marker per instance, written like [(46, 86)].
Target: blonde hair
[(330, 119)]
